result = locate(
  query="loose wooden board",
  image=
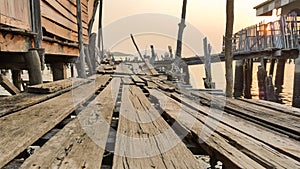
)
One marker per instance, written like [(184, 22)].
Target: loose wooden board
[(238, 144), (54, 86), (84, 138), (23, 128)]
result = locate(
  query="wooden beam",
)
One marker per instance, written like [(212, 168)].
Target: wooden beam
[(7, 85), (10, 42), (41, 117)]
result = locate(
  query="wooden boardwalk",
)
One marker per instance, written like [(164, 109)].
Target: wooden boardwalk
[(128, 118)]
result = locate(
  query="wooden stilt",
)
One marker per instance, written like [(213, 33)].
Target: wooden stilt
[(16, 77), (153, 55), (80, 62), (296, 92), (32, 60), (271, 72), (170, 51), (88, 60), (208, 79), (92, 50), (280, 75), (239, 79), (59, 71), (261, 77), (72, 70), (248, 78)]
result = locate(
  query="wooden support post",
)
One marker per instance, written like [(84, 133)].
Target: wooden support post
[(80, 63), (261, 77), (248, 78), (180, 30), (7, 85), (92, 50), (59, 71), (153, 55), (270, 92), (36, 20), (296, 92), (16, 77), (170, 51), (32, 60), (88, 60), (239, 79), (100, 30), (272, 67), (72, 70), (280, 75), (208, 79)]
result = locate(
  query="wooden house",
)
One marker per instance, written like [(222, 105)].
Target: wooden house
[(44, 28), (287, 6)]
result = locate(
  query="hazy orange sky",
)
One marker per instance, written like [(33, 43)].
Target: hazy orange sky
[(207, 16)]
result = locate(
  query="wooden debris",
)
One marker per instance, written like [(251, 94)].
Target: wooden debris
[(45, 115), (54, 86), (85, 147)]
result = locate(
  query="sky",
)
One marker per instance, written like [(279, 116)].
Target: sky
[(206, 17)]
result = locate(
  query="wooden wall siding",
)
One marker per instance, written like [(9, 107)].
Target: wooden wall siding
[(59, 18), (15, 13)]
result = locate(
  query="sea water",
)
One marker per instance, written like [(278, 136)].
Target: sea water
[(218, 76)]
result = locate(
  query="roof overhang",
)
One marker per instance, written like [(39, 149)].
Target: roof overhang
[(266, 8)]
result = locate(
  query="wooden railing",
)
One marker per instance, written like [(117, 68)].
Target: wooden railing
[(280, 34)]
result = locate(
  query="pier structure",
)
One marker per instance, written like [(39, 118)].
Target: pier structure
[(272, 42), (125, 117)]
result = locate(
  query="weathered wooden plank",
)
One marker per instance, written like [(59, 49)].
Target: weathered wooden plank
[(275, 106), (15, 13), (127, 81), (84, 146), (7, 85), (289, 123), (54, 48), (198, 123), (54, 86), (136, 79), (23, 128), (14, 43), (71, 7), (164, 86), (21, 101), (51, 14), (267, 136), (151, 85), (123, 69), (144, 139)]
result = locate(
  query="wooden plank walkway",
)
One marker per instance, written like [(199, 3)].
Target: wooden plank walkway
[(117, 124)]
